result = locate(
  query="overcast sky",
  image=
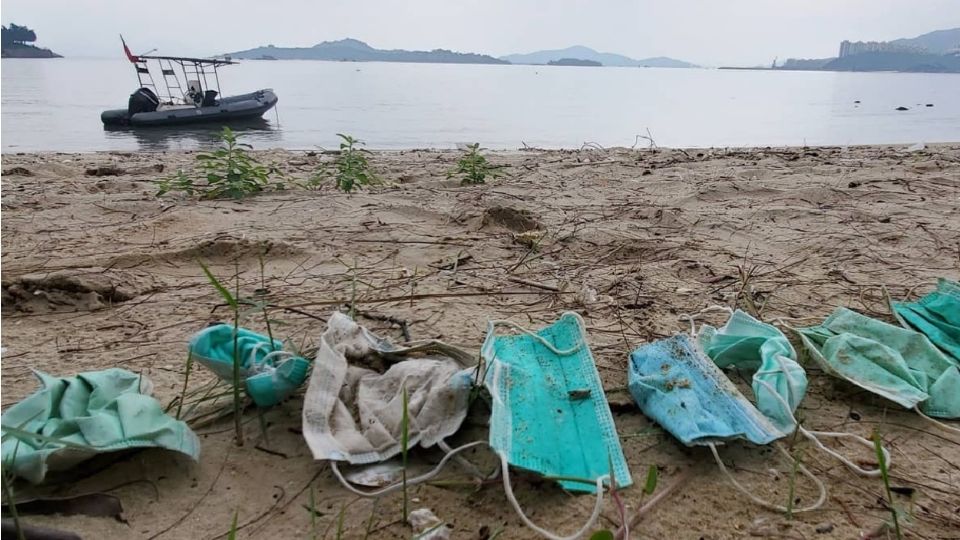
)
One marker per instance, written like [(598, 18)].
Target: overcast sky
[(707, 32)]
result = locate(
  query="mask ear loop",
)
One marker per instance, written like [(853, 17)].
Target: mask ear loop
[(770, 506), (508, 490), (709, 309), (812, 436), (935, 422), (410, 482), (494, 323), (470, 467)]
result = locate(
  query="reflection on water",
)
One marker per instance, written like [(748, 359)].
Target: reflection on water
[(258, 132), (396, 106)]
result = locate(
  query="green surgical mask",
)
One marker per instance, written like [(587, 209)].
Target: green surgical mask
[(549, 414), (936, 315), (779, 383), (898, 364)]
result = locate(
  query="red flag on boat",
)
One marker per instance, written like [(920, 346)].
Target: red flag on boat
[(130, 56)]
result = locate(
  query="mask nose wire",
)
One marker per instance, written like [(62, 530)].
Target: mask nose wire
[(770, 506)]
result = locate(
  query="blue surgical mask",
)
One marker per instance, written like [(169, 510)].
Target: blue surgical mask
[(687, 394), (679, 387), (270, 374)]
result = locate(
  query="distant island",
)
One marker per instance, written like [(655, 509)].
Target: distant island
[(574, 62), (934, 52), (586, 53), (354, 50), (16, 44)]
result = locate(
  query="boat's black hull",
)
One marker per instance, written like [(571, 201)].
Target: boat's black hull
[(231, 108)]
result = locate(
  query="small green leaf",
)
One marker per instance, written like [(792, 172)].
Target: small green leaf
[(232, 535), (604, 534), (651, 483), (220, 288)]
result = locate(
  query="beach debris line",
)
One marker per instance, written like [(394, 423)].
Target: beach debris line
[(17, 171)]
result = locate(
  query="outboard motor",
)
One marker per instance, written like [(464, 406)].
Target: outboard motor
[(209, 99), (143, 100)]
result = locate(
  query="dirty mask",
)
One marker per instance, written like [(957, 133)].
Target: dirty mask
[(270, 374), (936, 315), (779, 381), (353, 407), (679, 387), (76, 418), (549, 412), (893, 362)]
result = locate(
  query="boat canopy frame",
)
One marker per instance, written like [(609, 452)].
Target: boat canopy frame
[(199, 68)]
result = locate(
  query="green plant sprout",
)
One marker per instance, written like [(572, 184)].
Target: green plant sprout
[(473, 167), (230, 171), (351, 169)]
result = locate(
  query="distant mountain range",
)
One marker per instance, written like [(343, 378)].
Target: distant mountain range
[(354, 50), (937, 42), (580, 52), (933, 52)]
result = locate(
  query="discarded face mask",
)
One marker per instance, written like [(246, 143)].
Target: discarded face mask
[(76, 418), (779, 382), (270, 374), (679, 387), (549, 412), (936, 315), (898, 364), (687, 394), (353, 408)]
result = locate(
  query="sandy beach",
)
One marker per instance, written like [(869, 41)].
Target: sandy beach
[(98, 272)]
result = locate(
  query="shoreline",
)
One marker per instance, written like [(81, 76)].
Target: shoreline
[(902, 146), (98, 272)]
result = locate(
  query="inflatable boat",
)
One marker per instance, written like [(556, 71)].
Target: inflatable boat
[(164, 101), (145, 109)]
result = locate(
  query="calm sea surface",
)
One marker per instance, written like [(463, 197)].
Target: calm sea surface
[(55, 105)]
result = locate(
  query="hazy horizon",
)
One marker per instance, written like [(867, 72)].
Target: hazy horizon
[(738, 32)]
